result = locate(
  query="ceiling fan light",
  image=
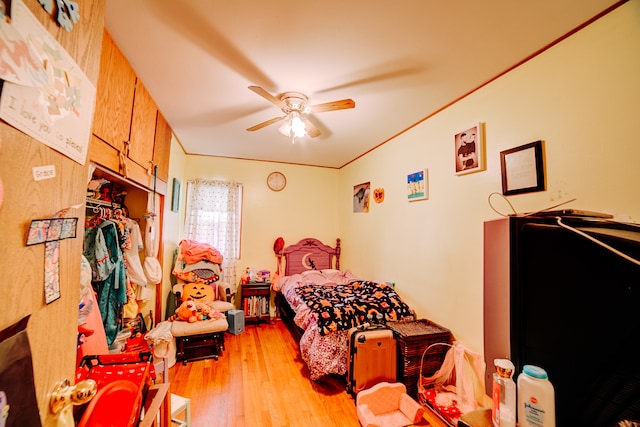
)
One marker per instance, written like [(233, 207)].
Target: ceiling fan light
[(293, 126), (285, 128), (298, 127)]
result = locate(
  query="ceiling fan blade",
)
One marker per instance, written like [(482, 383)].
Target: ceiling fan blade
[(266, 95), (265, 124), (342, 104), (312, 130)]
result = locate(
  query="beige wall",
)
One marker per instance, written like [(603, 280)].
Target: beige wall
[(173, 222), (307, 207), (581, 97)]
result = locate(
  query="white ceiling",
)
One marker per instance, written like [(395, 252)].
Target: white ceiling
[(400, 61)]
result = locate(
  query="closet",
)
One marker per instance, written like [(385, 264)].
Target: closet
[(122, 236), (130, 147)]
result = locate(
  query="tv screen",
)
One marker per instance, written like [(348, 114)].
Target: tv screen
[(575, 311)]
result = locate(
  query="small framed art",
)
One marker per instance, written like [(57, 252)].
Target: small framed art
[(418, 185), (361, 197), (175, 196), (522, 169), (469, 149)]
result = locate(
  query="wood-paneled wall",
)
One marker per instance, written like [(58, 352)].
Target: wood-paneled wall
[(52, 329)]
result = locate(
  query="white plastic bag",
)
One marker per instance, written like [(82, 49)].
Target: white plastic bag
[(460, 379)]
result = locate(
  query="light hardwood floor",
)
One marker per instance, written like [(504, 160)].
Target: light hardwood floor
[(260, 380)]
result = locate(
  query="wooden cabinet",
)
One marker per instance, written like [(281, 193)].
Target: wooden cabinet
[(143, 127), (130, 136), (255, 302), (162, 147), (114, 96)]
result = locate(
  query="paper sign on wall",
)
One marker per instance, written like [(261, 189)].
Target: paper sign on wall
[(55, 103)]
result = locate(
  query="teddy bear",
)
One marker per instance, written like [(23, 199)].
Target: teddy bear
[(187, 311), (192, 311)]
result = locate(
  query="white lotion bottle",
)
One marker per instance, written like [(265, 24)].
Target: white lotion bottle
[(536, 398), (503, 413)]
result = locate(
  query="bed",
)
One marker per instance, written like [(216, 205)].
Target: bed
[(319, 302)]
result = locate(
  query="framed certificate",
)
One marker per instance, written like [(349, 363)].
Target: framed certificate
[(522, 169)]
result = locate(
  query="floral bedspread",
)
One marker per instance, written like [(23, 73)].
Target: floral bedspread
[(340, 307)]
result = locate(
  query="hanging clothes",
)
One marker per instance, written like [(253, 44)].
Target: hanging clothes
[(102, 250), (131, 250), (152, 267)]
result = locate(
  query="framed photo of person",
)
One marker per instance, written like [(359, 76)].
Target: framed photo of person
[(469, 149)]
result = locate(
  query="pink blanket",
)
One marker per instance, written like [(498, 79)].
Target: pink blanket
[(193, 252)]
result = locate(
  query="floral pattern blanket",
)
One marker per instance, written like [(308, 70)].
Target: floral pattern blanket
[(338, 307)]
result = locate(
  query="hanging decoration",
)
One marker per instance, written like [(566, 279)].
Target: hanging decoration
[(46, 95), (50, 232), (68, 12), (378, 195)]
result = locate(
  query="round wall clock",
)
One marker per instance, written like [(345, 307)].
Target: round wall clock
[(276, 181)]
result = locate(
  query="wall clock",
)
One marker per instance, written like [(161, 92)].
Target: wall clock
[(276, 181)]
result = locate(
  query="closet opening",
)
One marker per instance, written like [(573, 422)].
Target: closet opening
[(122, 242)]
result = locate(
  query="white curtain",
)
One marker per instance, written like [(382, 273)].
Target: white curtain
[(213, 216)]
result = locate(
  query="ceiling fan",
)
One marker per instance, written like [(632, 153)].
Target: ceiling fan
[(296, 111)]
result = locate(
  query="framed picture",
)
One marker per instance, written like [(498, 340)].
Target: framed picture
[(361, 194), (418, 185), (522, 169), (469, 149), (175, 196)]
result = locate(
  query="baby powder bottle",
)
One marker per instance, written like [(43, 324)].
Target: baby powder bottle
[(503, 413), (536, 398)]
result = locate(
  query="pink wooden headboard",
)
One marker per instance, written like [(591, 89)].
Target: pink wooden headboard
[(310, 254)]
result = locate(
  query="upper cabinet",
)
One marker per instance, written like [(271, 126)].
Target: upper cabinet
[(130, 135), (162, 147), (114, 97), (143, 128)]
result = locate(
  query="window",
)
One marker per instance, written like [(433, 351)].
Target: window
[(213, 216)]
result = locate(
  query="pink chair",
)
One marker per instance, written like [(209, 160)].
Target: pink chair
[(387, 404)]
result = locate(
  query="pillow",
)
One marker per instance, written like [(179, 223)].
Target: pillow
[(321, 277), (200, 292), (285, 281), (221, 306)]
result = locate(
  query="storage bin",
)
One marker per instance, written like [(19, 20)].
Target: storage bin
[(413, 337)]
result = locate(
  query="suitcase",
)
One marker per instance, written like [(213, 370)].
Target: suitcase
[(372, 357)]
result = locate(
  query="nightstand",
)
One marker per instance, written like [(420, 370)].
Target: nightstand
[(255, 302)]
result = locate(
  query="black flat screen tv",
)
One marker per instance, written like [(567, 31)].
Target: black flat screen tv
[(575, 311)]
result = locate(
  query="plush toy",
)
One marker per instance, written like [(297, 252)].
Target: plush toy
[(187, 312), (199, 292), (207, 311), (192, 311)]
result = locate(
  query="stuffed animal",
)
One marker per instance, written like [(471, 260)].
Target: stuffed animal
[(187, 312), (192, 311), (207, 311)]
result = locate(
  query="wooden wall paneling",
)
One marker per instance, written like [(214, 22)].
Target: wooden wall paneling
[(52, 329)]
